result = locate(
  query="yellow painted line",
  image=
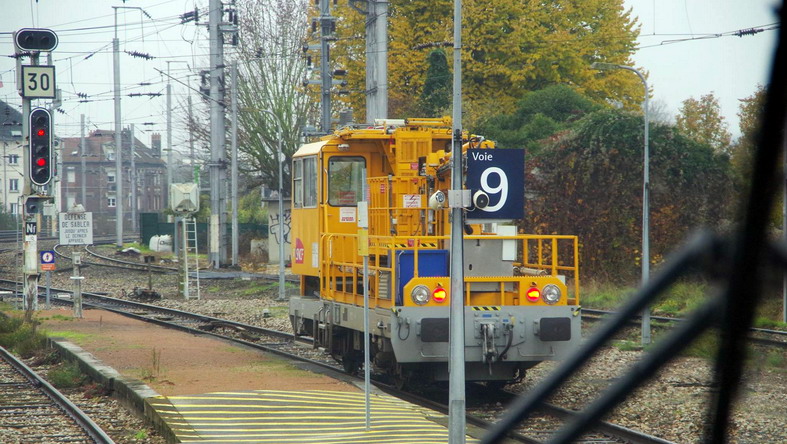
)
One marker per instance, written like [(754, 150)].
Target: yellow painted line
[(289, 417), (277, 422)]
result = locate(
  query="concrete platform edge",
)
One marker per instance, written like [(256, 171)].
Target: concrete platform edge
[(131, 392)]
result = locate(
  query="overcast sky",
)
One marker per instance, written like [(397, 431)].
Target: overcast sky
[(728, 66), (84, 59)]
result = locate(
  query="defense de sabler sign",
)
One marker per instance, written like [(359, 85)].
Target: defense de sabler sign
[(76, 228)]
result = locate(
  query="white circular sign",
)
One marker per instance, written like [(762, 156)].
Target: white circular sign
[(47, 257)]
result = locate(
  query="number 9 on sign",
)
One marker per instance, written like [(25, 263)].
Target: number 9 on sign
[(499, 174), (501, 189)]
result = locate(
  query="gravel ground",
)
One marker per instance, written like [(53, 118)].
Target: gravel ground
[(671, 406)]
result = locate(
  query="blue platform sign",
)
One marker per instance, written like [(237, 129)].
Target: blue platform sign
[(498, 174)]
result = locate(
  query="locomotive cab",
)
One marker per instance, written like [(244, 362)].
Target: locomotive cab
[(520, 292)]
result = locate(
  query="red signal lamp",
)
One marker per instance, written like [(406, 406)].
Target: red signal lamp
[(41, 161), (41, 132), (533, 294), (439, 294)]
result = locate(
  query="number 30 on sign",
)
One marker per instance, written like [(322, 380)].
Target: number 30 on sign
[(38, 82)]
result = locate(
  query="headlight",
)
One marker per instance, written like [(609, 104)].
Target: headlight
[(420, 294), (551, 294)]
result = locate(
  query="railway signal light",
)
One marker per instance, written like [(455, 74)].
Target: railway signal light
[(40, 147), (35, 39)]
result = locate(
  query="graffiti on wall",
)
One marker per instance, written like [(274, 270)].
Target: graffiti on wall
[(279, 227)]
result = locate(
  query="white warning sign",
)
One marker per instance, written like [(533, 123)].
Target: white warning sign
[(411, 201), (76, 228)]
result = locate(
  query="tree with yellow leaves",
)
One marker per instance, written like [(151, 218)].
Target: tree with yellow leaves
[(510, 47)]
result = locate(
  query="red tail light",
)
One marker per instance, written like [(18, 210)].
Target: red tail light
[(533, 294), (439, 294)]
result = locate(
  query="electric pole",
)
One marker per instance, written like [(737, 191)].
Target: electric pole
[(118, 139), (133, 183), (216, 128), (82, 154), (456, 351), (327, 24), (376, 57), (234, 162)]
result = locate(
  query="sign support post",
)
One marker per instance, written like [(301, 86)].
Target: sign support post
[(76, 229), (76, 260), (363, 250), (33, 82)]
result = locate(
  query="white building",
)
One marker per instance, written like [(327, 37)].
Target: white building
[(11, 165)]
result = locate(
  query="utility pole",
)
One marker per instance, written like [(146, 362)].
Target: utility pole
[(169, 136), (376, 60), (194, 168), (456, 351), (327, 24), (216, 131), (234, 175), (133, 183), (118, 140), (82, 154)]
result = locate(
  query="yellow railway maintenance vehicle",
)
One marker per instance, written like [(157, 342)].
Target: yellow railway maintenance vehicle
[(521, 298)]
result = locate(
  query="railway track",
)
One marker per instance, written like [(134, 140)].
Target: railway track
[(762, 336), (31, 410), (301, 349)]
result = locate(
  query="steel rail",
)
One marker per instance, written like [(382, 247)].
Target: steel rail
[(75, 413), (780, 341), (114, 304)]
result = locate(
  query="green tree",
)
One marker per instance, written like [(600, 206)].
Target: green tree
[(750, 112), (538, 115), (250, 210), (589, 183), (436, 96), (701, 120), (508, 49)]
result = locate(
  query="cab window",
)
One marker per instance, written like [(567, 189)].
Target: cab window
[(310, 182), (346, 178), (304, 182), (297, 183)]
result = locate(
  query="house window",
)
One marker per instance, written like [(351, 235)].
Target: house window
[(13, 184), (111, 202), (71, 175), (111, 177), (13, 159), (14, 208)]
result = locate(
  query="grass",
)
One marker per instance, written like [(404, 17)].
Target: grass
[(66, 375), (71, 335), (679, 300), (22, 338), (154, 371)]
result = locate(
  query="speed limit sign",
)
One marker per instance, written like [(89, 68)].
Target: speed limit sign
[(38, 82)]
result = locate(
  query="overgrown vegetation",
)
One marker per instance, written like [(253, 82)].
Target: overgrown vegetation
[(20, 337), (66, 375)]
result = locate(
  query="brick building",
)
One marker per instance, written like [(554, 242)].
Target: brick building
[(100, 179)]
